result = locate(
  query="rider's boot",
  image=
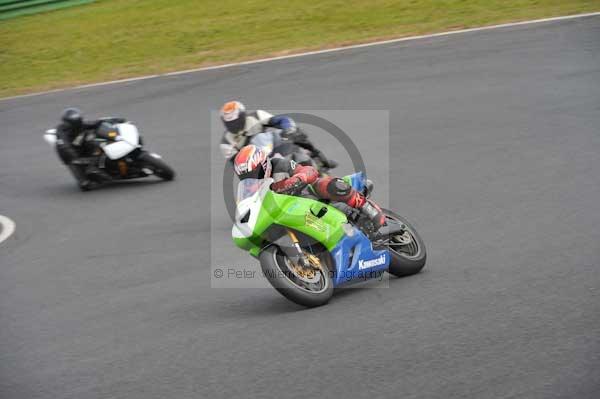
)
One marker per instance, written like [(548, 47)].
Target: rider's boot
[(97, 174), (78, 173), (372, 213), (92, 169)]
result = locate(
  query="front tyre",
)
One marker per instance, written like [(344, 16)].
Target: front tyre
[(157, 165), (407, 250), (310, 291)]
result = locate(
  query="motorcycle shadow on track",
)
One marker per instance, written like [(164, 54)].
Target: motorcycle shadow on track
[(375, 284), (121, 185), (231, 309), (70, 189), (270, 305)]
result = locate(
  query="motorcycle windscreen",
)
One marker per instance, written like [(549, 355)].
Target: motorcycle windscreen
[(247, 188)]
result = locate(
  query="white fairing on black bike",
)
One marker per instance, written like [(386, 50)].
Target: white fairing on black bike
[(127, 141), (115, 149)]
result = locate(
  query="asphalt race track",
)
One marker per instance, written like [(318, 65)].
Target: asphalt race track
[(495, 156)]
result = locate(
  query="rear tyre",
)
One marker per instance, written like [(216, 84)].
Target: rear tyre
[(407, 251), (278, 270), (157, 165)]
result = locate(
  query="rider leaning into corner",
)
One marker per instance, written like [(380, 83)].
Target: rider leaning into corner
[(76, 148), (252, 162), (241, 126)]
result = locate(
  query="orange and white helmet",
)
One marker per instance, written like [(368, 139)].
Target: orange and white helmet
[(233, 115), (252, 162)]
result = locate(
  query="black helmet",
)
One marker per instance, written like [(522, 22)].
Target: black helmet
[(72, 117)]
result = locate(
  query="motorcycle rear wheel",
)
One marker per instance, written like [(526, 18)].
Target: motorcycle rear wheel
[(408, 251)]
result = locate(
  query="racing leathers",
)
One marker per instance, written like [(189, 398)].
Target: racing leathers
[(290, 178), (76, 148), (257, 122)]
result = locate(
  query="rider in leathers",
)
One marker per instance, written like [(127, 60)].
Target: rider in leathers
[(291, 178), (241, 126), (75, 147)]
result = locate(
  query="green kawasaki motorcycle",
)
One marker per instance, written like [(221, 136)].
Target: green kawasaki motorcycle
[(307, 247)]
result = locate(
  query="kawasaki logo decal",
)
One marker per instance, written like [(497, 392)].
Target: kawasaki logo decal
[(365, 264)]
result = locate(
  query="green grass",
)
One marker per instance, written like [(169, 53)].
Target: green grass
[(113, 39)]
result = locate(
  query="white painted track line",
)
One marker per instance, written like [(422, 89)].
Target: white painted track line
[(331, 50), (8, 227)]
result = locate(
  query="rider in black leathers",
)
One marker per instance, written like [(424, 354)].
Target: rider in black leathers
[(76, 148)]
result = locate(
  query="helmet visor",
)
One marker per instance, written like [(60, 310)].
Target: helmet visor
[(257, 173), (236, 125)]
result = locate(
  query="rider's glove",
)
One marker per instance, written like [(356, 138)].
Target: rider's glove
[(294, 186)]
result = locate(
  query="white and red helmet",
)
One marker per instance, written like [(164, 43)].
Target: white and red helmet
[(233, 115), (252, 162)]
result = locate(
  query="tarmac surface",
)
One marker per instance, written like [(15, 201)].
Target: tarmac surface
[(494, 154)]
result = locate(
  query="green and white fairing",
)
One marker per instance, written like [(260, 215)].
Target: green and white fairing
[(282, 230), (258, 208)]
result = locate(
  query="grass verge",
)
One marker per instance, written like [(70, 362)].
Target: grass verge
[(115, 39)]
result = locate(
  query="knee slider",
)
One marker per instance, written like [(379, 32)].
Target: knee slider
[(338, 188)]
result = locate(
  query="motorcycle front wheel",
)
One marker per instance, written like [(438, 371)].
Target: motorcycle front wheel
[(157, 165), (310, 289)]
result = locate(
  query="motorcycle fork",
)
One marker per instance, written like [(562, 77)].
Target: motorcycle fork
[(122, 168), (295, 242), (304, 259), (287, 241)]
